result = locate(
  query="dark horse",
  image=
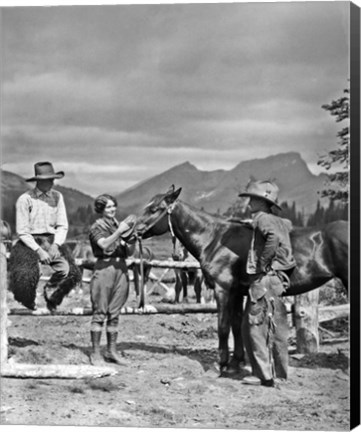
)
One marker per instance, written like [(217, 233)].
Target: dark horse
[(222, 246)]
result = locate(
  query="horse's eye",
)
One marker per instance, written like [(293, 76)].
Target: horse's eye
[(153, 209)]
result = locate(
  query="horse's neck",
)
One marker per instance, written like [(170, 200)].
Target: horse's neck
[(193, 229)]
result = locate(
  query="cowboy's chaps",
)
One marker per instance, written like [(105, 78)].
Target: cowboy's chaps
[(24, 276)]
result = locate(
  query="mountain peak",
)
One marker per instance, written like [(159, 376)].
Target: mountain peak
[(214, 191), (291, 157), (185, 165)]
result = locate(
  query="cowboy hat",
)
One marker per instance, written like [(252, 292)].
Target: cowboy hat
[(45, 171), (266, 190)]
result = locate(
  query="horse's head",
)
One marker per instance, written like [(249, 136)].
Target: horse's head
[(153, 221)]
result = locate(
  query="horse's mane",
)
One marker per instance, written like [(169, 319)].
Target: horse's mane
[(246, 223)]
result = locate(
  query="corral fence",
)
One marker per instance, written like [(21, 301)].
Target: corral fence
[(307, 316)]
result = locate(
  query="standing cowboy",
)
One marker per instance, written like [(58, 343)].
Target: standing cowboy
[(42, 226), (270, 263)]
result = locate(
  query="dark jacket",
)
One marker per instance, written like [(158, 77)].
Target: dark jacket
[(276, 253), (103, 228)]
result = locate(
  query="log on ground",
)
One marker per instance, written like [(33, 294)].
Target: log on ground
[(147, 310), (326, 313), (22, 370)]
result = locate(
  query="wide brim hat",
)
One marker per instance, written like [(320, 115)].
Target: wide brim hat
[(45, 171), (266, 190)]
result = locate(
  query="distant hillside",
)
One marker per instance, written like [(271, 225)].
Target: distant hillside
[(215, 191), (13, 185), (195, 184)]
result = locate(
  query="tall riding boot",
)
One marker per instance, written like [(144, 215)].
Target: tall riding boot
[(111, 353), (96, 358)]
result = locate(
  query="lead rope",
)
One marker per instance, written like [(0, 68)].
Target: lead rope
[(142, 290), (174, 238), (141, 257)]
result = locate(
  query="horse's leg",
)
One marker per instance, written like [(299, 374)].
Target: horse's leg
[(222, 299), (147, 270), (177, 286), (136, 279), (184, 282), (198, 288), (210, 298), (236, 324), (80, 285)]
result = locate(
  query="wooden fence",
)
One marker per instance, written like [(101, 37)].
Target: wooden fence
[(307, 316)]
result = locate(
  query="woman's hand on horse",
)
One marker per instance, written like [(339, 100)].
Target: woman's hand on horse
[(127, 223)]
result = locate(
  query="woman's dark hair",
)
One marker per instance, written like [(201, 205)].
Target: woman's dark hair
[(101, 201)]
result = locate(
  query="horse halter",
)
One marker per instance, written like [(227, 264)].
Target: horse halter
[(139, 237), (168, 210)]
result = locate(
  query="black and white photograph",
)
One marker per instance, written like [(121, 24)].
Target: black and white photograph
[(180, 198)]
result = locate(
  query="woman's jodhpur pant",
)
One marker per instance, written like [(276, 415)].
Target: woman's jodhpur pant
[(109, 289)]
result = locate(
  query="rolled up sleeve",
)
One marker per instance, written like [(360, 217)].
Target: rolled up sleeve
[(61, 229), (23, 223)]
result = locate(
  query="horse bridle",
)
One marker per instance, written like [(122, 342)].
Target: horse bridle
[(169, 209)]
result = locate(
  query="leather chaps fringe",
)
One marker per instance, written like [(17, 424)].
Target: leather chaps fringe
[(24, 276)]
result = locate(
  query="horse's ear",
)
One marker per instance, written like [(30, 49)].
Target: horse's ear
[(170, 190), (177, 193), (171, 197)]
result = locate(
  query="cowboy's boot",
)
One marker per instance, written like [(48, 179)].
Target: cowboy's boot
[(50, 304), (111, 354), (96, 358)]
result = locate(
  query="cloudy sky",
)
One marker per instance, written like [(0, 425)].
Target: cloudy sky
[(113, 95)]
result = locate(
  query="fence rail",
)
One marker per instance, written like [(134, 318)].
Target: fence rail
[(64, 371), (325, 313), (188, 265)]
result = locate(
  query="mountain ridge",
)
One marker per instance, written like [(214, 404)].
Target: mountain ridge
[(216, 190), (213, 191)]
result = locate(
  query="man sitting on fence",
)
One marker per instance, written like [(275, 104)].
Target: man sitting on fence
[(42, 226)]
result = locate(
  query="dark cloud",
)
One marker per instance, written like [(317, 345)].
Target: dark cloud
[(150, 86)]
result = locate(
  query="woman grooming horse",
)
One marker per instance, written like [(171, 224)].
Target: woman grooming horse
[(109, 286)]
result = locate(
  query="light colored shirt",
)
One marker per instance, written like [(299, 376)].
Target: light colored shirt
[(39, 213)]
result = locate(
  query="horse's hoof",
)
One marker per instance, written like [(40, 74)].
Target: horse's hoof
[(233, 369), (222, 371)]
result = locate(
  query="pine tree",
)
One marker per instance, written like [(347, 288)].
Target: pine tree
[(338, 186)]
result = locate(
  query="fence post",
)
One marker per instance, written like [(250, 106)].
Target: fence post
[(3, 306), (306, 322)]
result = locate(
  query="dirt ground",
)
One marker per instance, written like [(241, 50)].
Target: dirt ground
[(171, 380)]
